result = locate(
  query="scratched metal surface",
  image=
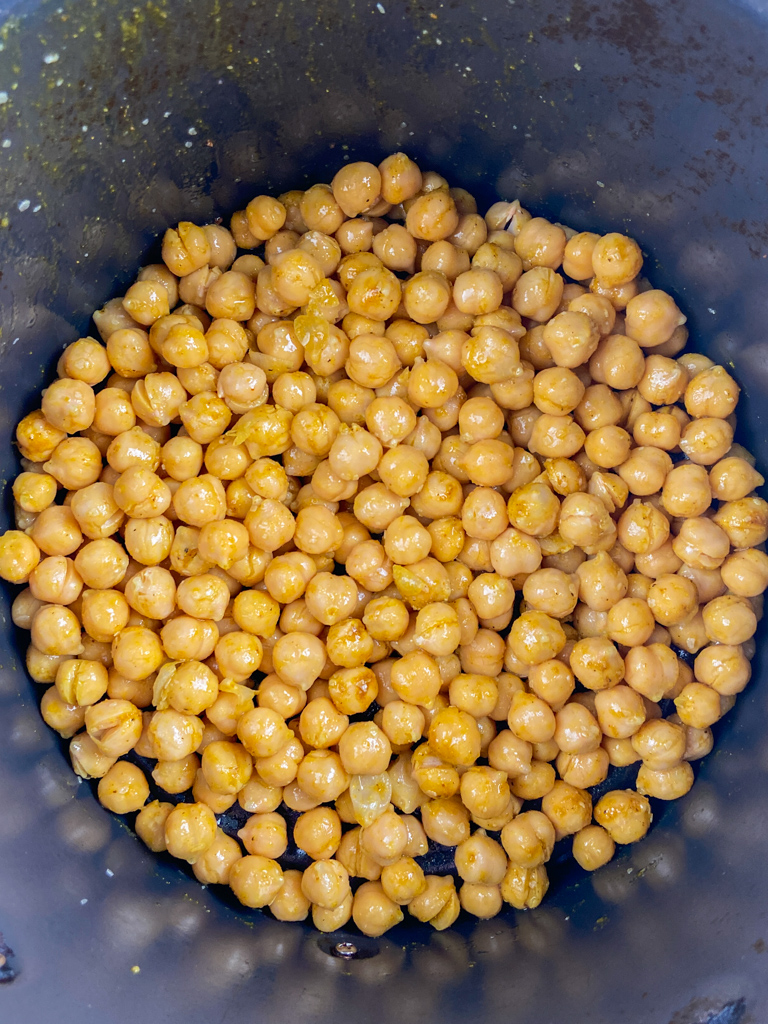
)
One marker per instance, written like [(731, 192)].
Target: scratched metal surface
[(118, 118)]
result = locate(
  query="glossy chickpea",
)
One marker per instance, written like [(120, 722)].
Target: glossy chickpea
[(733, 477), (577, 256), (651, 317), (701, 543), (620, 711), (592, 847), (123, 789), (66, 718), (364, 749), (535, 637), (524, 888), (665, 784), (577, 730)]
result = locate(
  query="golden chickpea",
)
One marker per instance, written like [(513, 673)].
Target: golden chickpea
[(630, 622), (616, 259), (620, 711), (34, 492), (65, 717), (618, 361), (114, 726), (84, 360), (401, 178), (652, 671), (577, 730), (745, 572), (602, 583), (55, 630), (88, 762), (732, 478), (150, 825), (533, 509), (176, 776), (69, 405), (524, 888), (256, 880), (660, 743), (592, 847), (81, 682), (596, 663), (455, 737), (651, 317), (570, 337), (667, 783), (19, 556), (705, 441), (577, 257), (485, 790), (713, 392), (624, 814), (123, 789), (540, 244), (528, 840), (536, 637), (701, 543), (745, 521)]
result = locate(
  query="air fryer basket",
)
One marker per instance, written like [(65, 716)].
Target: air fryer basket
[(120, 117)]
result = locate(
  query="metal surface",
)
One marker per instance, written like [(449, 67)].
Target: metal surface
[(117, 119)]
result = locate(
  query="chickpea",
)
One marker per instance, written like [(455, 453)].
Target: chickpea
[(652, 671), (630, 622), (123, 789), (577, 257), (616, 259), (620, 711), (665, 784), (596, 663), (485, 790), (701, 543), (744, 572), (536, 637), (732, 478), (364, 749), (624, 814), (651, 317), (592, 847), (533, 509), (524, 888), (660, 743)]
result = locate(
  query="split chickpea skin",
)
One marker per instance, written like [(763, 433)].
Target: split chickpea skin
[(397, 520)]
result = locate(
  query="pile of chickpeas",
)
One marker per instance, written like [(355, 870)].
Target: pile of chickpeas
[(403, 531)]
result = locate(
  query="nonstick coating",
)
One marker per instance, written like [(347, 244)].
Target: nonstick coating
[(119, 118)]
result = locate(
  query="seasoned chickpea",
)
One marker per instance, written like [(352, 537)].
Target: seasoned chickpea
[(630, 622), (123, 789), (596, 663), (570, 337), (732, 478), (616, 259), (620, 711), (65, 717), (592, 847), (665, 783), (701, 543), (745, 572), (577, 257), (651, 317), (524, 888), (364, 749), (535, 637), (624, 814)]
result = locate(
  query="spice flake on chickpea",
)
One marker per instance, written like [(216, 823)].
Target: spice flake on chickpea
[(368, 522)]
